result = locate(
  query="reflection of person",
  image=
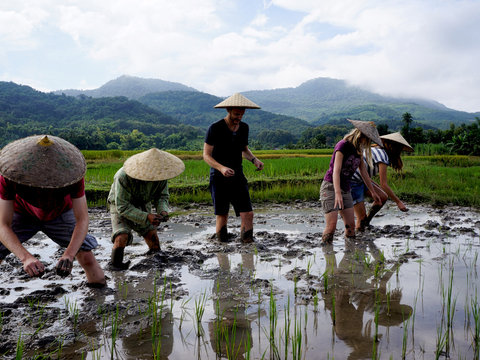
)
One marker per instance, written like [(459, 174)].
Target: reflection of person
[(356, 291), (231, 331), (335, 189), (140, 184), (393, 144), (42, 189), (225, 144)]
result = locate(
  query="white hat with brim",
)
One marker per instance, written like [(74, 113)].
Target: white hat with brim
[(42, 161), (368, 129), (237, 101), (398, 138), (153, 165)]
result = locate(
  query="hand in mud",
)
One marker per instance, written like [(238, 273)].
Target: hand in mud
[(402, 207), (34, 267), (155, 219), (64, 267)]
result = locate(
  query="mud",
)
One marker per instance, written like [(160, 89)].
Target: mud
[(63, 318)]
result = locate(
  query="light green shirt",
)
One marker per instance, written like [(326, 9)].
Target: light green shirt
[(133, 199)]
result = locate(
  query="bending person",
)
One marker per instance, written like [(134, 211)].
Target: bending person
[(335, 189), (138, 186), (390, 155), (42, 189)]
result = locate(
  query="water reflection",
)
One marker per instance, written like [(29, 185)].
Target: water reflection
[(231, 331), (357, 290)]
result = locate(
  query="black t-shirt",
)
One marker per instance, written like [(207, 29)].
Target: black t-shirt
[(227, 145)]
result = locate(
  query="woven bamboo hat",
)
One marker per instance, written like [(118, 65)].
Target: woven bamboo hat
[(42, 161), (153, 165), (368, 129), (237, 101), (397, 137)]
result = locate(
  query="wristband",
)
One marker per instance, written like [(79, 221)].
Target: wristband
[(253, 160)]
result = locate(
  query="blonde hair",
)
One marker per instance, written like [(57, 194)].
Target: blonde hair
[(363, 147)]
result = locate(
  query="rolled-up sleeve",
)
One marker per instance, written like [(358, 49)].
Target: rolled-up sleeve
[(162, 197)]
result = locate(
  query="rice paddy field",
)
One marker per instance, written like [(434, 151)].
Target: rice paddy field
[(406, 288)]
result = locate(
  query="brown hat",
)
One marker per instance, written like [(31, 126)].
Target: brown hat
[(368, 129), (237, 101), (398, 138), (42, 161), (153, 165)]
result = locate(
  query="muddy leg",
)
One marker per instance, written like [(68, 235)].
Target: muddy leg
[(93, 271), (246, 236), (222, 235), (118, 251), (373, 211), (327, 238), (151, 238)]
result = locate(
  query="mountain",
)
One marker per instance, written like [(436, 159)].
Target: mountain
[(197, 109), (89, 123), (129, 86), (325, 100)]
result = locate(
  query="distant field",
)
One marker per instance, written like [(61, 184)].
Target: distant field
[(291, 175)]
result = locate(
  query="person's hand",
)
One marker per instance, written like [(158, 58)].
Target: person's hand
[(376, 198), (258, 164), (164, 216), (227, 172), (338, 205), (154, 219), (33, 267), (64, 266), (402, 206)]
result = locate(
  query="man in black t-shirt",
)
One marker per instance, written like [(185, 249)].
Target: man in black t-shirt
[(226, 143)]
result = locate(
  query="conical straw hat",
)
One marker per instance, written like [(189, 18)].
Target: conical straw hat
[(153, 165), (368, 129), (237, 101), (397, 137), (42, 161)]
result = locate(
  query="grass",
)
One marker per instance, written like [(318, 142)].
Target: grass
[(297, 175)]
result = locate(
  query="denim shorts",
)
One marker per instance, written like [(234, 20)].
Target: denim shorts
[(232, 190), (327, 198), (60, 230), (358, 192)]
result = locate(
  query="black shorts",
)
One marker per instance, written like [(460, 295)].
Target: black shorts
[(230, 190)]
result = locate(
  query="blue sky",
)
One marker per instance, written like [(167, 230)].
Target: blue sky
[(410, 48)]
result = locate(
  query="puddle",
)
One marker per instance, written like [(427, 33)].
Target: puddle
[(406, 287)]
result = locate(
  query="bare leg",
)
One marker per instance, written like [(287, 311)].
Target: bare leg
[(151, 238), (348, 217), (93, 271), (221, 228), (360, 214), (330, 227), (246, 227)]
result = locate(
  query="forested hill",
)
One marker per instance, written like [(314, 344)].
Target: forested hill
[(130, 86), (197, 108), (325, 100), (89, 123)]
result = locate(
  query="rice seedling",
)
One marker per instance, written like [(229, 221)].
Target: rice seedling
[(333, 309), (286, 325), (114, 332), (273, 318), (20, 347), (476, 327), (297, 339), (200, 303)]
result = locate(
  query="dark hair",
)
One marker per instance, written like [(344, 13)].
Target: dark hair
[(394, 151)]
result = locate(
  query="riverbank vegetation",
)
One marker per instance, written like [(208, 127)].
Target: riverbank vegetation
[(291, 175)]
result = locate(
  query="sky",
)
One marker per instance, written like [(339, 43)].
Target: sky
[(407, 48)]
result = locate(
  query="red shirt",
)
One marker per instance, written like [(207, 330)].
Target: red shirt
[(43, 204)]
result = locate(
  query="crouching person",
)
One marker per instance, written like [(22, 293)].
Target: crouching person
[(42, 189), (138, 186)]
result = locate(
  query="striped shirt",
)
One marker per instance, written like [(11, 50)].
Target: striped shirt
[(378, 156)]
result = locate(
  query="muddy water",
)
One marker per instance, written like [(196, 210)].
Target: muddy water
[(406, 287)]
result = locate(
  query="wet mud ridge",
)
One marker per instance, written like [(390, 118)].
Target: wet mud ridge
[(56, 313)]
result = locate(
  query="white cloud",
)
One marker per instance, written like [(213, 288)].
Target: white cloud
[(409, 48)]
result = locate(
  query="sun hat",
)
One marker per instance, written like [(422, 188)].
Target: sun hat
[(397, 137), (237, 101), (42, 161), (153, 165), (368, 129)]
